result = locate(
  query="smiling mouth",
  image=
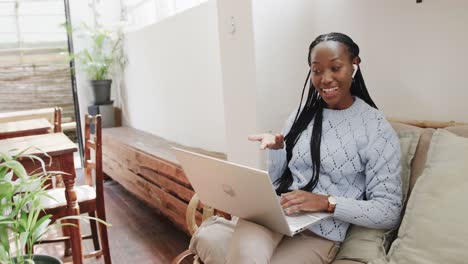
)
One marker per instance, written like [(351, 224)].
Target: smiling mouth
[(329, 90)]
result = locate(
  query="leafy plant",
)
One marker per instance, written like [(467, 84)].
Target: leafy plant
[(105, 55), (21, 221)]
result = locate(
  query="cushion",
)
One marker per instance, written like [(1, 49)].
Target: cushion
[(346, 262), (400, 127), (434, 229), (459, 130), (57, 196), (364, 244), (216, 230), (420, 156)]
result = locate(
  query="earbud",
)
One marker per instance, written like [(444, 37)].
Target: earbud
[(355, 69)]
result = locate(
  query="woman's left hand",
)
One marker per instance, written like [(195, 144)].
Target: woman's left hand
[(298, 200)]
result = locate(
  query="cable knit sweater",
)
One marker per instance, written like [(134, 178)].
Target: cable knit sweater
[(360, 165)]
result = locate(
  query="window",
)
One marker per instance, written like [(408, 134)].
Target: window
[(34, 68), (32, 23), (140, 13)]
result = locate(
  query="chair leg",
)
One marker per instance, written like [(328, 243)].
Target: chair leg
[(101, 214), (94, 231), (66, 232)]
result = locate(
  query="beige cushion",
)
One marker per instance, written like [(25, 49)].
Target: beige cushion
[(420, 156), (365, 244), (434, 228), (459, 130), (57, 196), (400, 127), (211, 240), (346, 262)]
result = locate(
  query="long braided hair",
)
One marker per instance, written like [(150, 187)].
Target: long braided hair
[(313, 110)]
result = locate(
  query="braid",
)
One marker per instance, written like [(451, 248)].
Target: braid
[(313, 110)]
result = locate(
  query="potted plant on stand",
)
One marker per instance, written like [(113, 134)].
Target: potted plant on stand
[(101, 60), (22, 222)]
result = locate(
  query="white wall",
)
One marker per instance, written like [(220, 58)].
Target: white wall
[(412, 54), (238, 71), (283, 32), (173, 85)]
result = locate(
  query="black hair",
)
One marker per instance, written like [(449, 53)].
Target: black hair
[(313, 110)]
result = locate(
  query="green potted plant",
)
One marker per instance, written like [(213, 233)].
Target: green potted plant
[(22, 222), (101, 60)]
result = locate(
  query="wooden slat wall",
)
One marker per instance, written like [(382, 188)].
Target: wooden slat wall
[(33, 86), (144, 165)]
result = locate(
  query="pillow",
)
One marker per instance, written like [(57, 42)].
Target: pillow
[(216, 230), (434, 228), (420, 156), (365, 244), (459, 130)]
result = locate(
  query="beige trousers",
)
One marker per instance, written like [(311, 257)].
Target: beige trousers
[(220, 241)]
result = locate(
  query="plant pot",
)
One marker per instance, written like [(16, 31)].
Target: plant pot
[(101, 91), (44, 259)]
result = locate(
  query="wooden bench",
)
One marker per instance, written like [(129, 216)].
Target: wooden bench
[(145, 165)]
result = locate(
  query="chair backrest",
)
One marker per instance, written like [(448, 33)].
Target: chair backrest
[(57, 119), (93, 159)]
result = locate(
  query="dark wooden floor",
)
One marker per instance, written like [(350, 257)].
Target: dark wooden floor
[(138, 234)]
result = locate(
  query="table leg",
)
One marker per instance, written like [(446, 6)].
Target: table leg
[(68, 166)]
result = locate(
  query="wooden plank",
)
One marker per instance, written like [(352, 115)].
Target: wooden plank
[(131, 156), (24, 128), (152, 145), (168, 182), (47, 113), (168, 185), (148, 192), (145, 165), (33, 86), (71, 126), (53, 144)]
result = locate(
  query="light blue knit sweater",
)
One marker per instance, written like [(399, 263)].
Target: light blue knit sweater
[(360, 165)]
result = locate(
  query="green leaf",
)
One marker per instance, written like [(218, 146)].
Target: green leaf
[(4, 239), (85, 218), (40, 228), (6, 189), (4, 258), (16, 166), (5, 157), (23, 239)]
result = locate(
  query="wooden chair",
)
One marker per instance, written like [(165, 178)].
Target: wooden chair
[(90, 196), (57, 119)]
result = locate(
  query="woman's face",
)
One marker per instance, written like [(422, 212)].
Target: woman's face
[(331, 74)]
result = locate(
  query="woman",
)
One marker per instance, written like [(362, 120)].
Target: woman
[(339, 154)]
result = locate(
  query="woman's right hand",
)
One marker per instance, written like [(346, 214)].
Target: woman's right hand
[(270, 141)]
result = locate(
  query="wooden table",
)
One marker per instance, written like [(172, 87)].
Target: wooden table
[(24, 128), (60, 148)]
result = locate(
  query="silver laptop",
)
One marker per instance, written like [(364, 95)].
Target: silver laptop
[(241, 191)]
